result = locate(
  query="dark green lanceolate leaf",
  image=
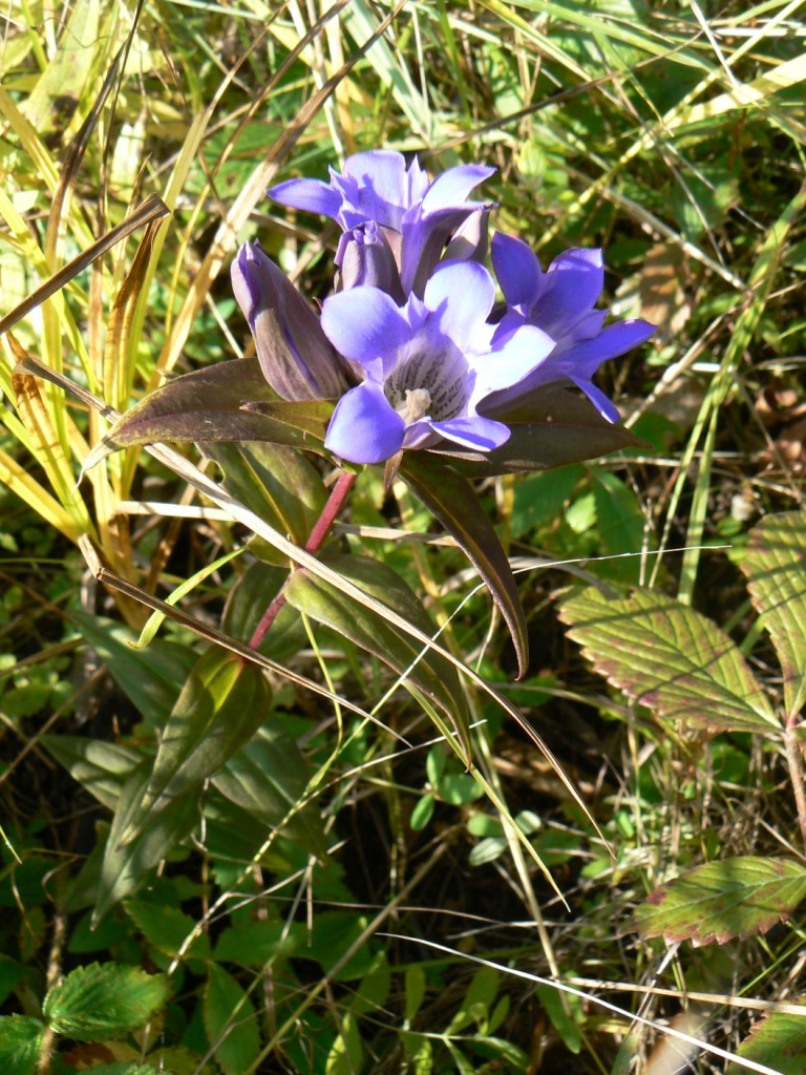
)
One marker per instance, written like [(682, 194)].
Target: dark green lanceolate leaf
[(278, 484), (453, 502), (150, 678), (20, 1044), (248, 600), (125, 867), (426, 671), (267, 778), (671, 659), (775, 565), (723, 900), (550, 427), (230, 1022), (222, 704), (103, 1000), (102, 768), (230, 401), (778, 1041)]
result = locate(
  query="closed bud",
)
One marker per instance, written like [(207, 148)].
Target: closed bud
[(294, 354), (365, 257)]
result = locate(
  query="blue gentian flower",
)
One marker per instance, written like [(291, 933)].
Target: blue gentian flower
[(561, 302), (416, 217), (426, 365)]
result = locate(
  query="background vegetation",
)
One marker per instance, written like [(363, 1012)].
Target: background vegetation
[(285, 913)]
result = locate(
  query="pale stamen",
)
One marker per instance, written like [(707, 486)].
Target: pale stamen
[(416, 405)]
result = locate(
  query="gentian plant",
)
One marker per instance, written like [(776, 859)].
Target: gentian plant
[(411, 362)]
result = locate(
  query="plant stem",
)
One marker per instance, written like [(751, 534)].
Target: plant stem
[(335, 502)]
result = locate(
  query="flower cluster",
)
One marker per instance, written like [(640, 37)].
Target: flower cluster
[(408, 344)]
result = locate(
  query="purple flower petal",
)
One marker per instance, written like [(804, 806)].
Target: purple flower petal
[(517, 269), (364, 324), (600, 401), (481, 434), (311, 195), (508, 365), (462, 294), (365, 428), (583, 357), (451, 188), (571, 288)]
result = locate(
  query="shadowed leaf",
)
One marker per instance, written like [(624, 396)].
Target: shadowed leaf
[(230, 1022), (723, 900), (775, 566), (451, 498), (267, 778), (230, 401), (125, 867), (221, 706), (426, 671), (550, 427), (671, 659)]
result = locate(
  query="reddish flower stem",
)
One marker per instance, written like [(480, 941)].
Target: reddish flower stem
[(322, 527)]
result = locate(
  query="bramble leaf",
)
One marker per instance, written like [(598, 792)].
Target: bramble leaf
[(778, 1041), (103, 1000), (775, 566), (671, 659), (20, 1044), (722, 900)]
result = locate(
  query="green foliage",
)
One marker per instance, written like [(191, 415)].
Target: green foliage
[(103, 1000), (240, 825)]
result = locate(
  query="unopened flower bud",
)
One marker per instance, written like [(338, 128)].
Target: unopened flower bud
[(365, 258), (294, 354)]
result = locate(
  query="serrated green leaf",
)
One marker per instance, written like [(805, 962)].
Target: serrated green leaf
[(778, 1041), (267, 778), (256, 944), (722, 900), (102, 768), (20, 1044), (152, 678), (451, 499), (671, 659), (230, 1022), (278, 484), (103, 1000), (775, 566), (125, 867), (427, 671), (229, 401), (168, 929), (221, 706)]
